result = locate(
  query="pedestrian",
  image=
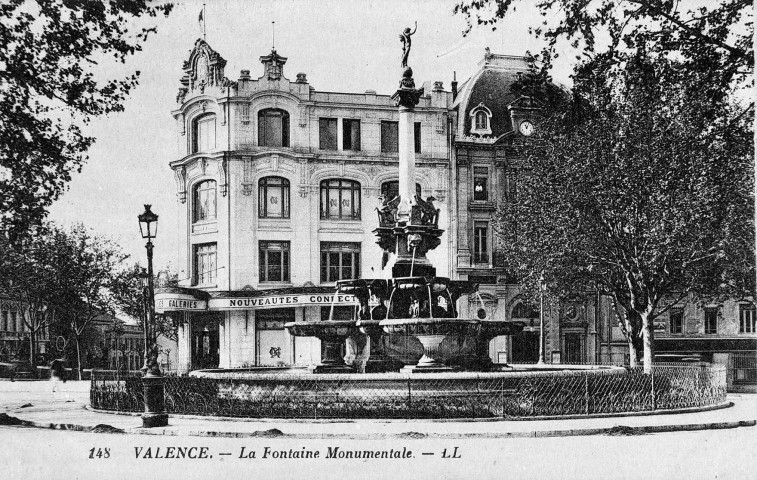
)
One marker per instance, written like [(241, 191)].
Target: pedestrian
[(57, 373)]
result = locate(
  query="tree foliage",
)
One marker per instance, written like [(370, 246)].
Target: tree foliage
[(640, 187), (50, 85), (701, 36), (63, 279)]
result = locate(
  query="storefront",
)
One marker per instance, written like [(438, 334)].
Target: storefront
[(246, 328)]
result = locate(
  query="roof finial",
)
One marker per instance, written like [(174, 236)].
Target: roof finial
[(273, 35), (202, 21)]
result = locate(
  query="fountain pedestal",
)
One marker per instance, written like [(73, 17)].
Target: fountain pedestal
[(333, 333), (377, 361), (430, 332)]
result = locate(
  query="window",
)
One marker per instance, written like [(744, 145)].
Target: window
[(711, 320), (339, 261), (676, 320), (205, 264), (205, 201), (480, 182), (417, 136), (390, 137), (244, 113), (274, 261), (392, 189), (327, 134), (273, 318), (481, 120), (480, 242), (4, 319), (351, 134), (273, 128), (522, 310), (273, 193), (204, 133), (340, 200), (747, 319)]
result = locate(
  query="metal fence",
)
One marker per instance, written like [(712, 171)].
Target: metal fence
[(512, 394)]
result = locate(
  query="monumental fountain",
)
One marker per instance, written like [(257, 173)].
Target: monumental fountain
[(413, 308)]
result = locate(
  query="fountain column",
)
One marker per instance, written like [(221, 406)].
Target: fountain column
[(406, 160)]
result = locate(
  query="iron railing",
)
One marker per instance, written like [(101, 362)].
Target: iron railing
[(511, 394)]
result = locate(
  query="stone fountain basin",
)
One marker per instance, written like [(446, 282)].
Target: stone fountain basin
[(429, 326), (496, 328), (323, 329)]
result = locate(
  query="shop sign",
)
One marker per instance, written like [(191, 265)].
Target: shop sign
[(280, 301), (171, 302)]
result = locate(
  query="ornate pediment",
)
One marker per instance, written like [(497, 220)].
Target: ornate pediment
[(204, 68), (274, 65)]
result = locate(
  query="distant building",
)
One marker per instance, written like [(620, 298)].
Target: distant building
[(14, 334)]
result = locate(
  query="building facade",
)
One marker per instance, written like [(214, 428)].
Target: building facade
[(278, 185), (14, 334)]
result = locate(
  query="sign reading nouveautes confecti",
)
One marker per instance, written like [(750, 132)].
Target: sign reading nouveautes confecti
[(278, 301)]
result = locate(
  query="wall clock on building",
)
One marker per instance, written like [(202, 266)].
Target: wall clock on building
[(526, 128)]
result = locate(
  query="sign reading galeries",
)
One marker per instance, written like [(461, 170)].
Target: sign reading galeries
[(280, 301)]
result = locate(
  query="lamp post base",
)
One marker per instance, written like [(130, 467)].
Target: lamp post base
[(154, 415), (152, 420)]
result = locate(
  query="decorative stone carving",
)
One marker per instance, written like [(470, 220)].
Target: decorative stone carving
[(204, 67), (247, 176), (222, 176), (180, 175)]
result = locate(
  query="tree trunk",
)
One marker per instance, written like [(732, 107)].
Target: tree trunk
[(632, 357), (78, 358), (32, 356), (648, 337)]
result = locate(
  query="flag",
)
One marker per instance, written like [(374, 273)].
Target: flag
[(201, 20)]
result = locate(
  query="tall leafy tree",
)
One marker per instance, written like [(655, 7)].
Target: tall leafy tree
[(29, 281), (86, 277), (711, 36), (639, 186), (50, 86)]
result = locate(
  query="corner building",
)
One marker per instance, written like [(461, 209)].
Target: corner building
[(278, 185)]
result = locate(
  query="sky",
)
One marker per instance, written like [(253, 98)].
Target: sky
[(342, 46)]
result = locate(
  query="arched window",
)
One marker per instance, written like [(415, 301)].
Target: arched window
[(340, 200), (391, 189), (481, 120), (273, 197), (273, 128), (522, 310), (204, 199), (204, 133)]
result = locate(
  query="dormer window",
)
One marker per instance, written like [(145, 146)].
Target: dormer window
[(481, 120)]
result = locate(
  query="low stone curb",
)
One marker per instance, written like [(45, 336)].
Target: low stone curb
[(214, 418), (275, 433)]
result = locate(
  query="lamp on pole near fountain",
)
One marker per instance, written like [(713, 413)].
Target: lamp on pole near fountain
[(542, 287), (152, 379)]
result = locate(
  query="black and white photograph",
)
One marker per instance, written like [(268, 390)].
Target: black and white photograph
[(506, 239)]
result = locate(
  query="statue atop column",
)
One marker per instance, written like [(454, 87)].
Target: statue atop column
[(406, 43), (407, 95)]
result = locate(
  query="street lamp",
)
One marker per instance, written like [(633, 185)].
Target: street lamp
[(542, 287), (152, 380), (144, 279)]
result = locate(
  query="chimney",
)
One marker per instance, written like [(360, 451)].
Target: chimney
[(454, 85)]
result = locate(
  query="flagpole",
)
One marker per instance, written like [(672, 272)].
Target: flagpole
[(204, 22)]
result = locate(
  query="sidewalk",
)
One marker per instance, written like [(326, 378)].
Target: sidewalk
[(35, 404)]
